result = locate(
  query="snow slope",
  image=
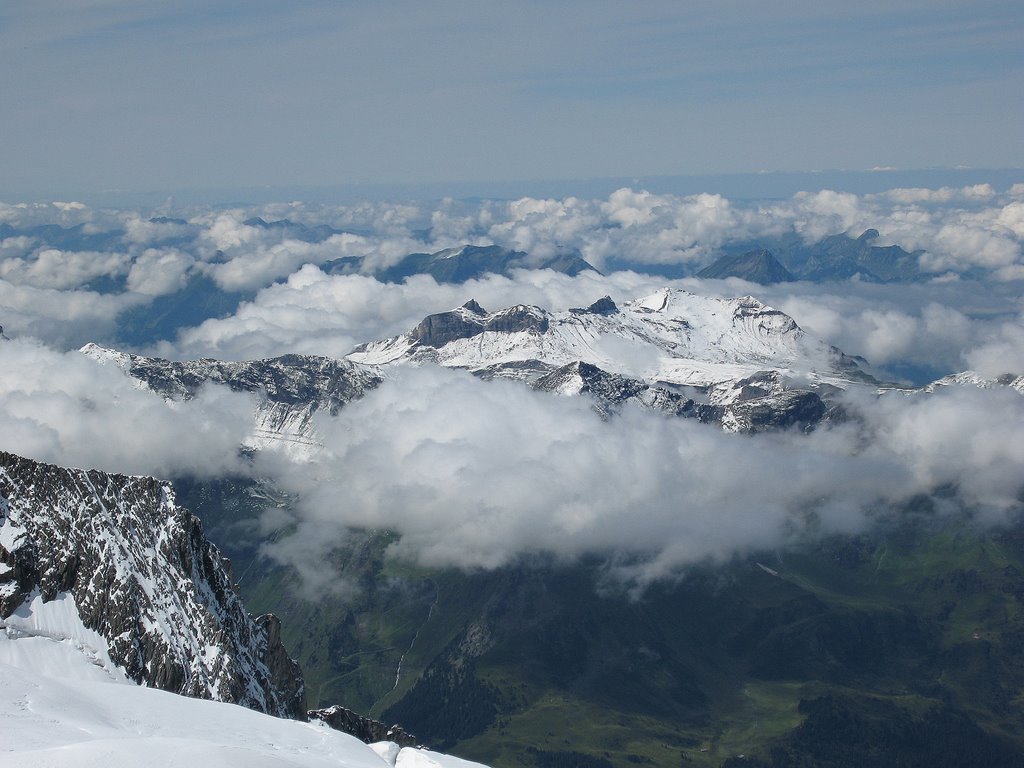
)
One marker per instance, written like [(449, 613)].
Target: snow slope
[(61, 706)]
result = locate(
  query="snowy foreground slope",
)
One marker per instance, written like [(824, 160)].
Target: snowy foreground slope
[(62, 704)]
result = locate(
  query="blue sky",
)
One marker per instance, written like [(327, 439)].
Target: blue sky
[(151, 96)]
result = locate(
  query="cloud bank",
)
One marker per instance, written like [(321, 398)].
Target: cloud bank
[(478, 474), (65, 408)]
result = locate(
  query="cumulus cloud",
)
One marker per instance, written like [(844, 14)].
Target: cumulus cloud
[(66, 408), (54, 268), (937, 326), (477, 474), (1001, 352), (65, 319), (144, 231), (156, 272)]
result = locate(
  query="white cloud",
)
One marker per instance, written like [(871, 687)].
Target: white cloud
[(141, 231), (159, 271), (63, 270), (1002, 351), (69, 409), (477, 474), (62, 318)]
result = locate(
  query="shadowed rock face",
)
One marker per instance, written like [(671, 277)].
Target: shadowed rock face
[(757, 266), (363, 728), (289, 380), (444, 327), (145, 578), (610, 391), (469, 321), (290, 390)]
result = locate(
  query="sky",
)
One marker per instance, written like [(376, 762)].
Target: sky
[(111, 95)]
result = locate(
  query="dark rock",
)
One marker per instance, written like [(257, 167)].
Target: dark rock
[(758, 266), (517, 319), (603, 306), (363, 728), (437, 330), (610, 391)]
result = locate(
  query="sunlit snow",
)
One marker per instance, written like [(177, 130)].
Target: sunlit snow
[(63, 703)]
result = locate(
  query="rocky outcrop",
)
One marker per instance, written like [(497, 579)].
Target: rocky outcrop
[(292, 380), (470, 320), (443, 327), (145, 578), (363, 728), (610, 391)]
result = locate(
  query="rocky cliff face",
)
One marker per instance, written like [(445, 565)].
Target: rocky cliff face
[(145, 578)]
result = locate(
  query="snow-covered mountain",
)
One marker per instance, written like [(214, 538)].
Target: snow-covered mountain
[(723, 360), (291, 389), (671, 336), (135, 568), (975, 379)]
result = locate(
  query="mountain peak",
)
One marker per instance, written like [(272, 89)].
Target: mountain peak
[(756, 266), (603, 306)]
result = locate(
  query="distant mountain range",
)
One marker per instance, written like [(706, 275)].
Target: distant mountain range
[(468, 262), (837, 257)]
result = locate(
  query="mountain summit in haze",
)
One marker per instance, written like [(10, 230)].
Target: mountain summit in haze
[(758, 266)]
